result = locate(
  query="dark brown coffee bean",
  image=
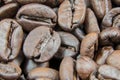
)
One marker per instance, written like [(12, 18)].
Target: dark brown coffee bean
[(41, 44), (30, 64), (110, 36), (9, 71), (111, 19), (103, 55), (108, 71), (8, 11), (101, 7), (114, 59), (34, 15), (69, 45), (71, 14), (67, 69), (43, 73), (89, 44), (79, 33), (91, 24), (85, 66), (11, 37)]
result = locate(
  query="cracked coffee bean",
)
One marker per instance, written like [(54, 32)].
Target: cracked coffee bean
[(71, 14), (33, 15), (41, 44), (11, 37)]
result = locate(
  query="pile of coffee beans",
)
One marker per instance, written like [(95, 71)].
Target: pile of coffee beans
[(59, 39)]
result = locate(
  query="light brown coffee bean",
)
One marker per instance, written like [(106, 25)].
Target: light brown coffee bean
[(11, 37), (85, 66), (43, 73), (71, 14), (89, 44), (41, 44)]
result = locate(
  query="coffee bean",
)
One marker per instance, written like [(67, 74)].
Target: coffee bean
[(41, 44), (113, 59), (101, 7), (39, 15), (109, 72), (110, 36), (91, 24), (69, 45), (85, 66), (111, 19), (43, 73), (11, 36), (103, 54), (71, 14), (89, 44), (67, 69), (9, 71)]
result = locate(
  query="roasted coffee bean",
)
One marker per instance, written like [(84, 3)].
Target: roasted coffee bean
[(8, 11), (69, 45), (41, 44), (67, 69), (89, 44), (79, 33), (111, 19), (34, 15), (71, 14), (91, 24), (103, 55), (110, 72), (113, 59), (11, 36), (85, 66), (110, 36), (101, 7), (43, 74), (30, 64), (9, 71)]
